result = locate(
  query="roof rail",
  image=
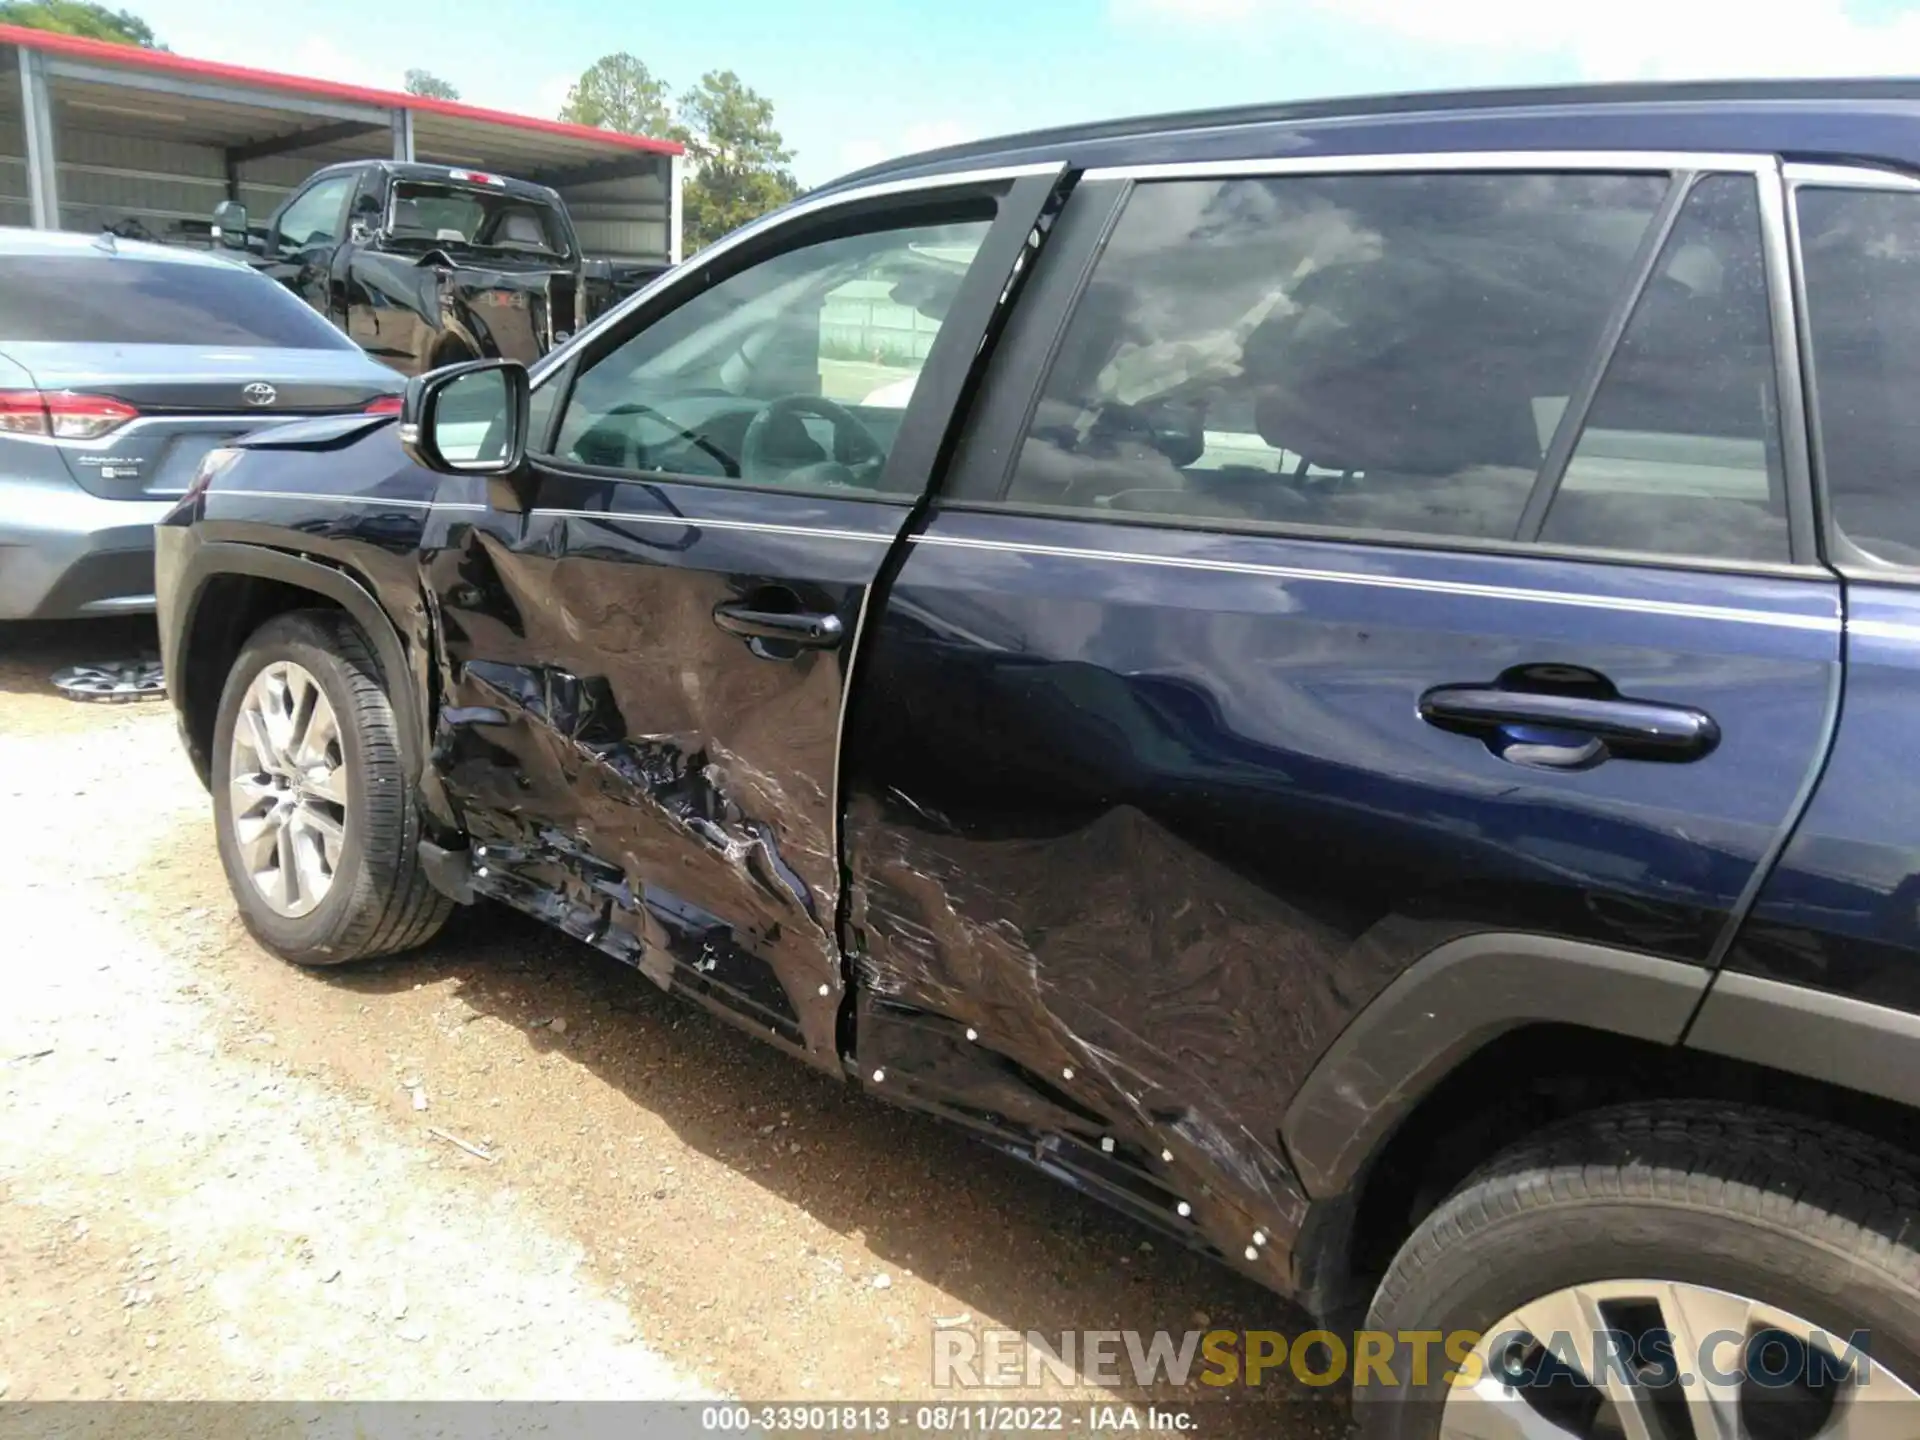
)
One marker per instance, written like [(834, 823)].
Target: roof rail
[(1361, 107)]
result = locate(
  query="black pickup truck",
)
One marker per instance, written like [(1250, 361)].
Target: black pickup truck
[(428, 265)]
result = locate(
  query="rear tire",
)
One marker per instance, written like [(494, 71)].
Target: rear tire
[(359, 891), (1693, 1202)]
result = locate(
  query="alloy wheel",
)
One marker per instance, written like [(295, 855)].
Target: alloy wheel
[(1656, 1360), (287, 776)]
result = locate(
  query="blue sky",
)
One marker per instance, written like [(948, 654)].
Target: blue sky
[(854, 81)]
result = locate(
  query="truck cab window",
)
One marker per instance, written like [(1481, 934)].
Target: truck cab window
[(795, 372), (313, 218), (481, 219)]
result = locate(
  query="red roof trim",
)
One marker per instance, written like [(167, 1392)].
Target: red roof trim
[(164, 61)]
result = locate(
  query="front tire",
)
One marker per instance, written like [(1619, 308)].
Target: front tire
[(317, 822), (1685, 1220)]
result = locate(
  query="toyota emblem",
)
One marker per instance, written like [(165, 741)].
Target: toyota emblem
[(260, 393)]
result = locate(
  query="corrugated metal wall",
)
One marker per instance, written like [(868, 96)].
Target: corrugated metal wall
[(108, 176), (621, 219), (15, 207)]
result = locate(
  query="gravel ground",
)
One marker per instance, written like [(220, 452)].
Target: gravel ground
[(221, 1179)]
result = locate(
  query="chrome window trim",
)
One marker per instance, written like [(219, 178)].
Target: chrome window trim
[(1430, 541), (1446, 160), (757, 527), (1466, 589), (1778, 254), (686, 272), (338, 498), (1848, 177)]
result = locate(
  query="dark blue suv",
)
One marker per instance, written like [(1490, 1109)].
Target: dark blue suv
[(1345, 678)]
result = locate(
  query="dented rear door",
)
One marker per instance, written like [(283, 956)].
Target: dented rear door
[(644, 671)]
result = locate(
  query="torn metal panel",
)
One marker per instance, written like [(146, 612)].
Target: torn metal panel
[(546, 732), (600, 722)]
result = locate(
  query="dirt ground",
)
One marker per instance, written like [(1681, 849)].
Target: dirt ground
[(221, 1175)]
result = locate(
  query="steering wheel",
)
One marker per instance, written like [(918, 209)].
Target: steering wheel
[(630, 445), (858, 458)]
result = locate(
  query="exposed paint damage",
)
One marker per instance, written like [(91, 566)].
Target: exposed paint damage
[(1079, 1048)]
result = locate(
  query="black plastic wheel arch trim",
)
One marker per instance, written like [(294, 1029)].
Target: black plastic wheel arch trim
[(210, 559), (1451, 1003), (1836, 1039)]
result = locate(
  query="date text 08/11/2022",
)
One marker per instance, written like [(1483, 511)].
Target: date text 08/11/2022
[(945, 1419)]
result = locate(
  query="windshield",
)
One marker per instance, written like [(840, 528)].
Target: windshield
[(98, 299), (477, 219)]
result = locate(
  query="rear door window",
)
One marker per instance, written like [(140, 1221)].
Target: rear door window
[(1860, 256), (97, 299), (1392, 354)]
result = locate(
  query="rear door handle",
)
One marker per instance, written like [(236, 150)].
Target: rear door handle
[(810, 629), (1585, 729)]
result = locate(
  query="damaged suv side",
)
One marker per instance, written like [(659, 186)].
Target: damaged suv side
[(1284, 666)]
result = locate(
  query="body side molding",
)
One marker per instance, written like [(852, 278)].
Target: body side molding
[(1448, 1005), (1855, 1044)]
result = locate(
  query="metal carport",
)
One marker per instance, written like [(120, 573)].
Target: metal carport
[(94, 133)]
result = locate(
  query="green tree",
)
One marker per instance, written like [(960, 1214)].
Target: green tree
[(618, 92), (425, 82), (80, 17), (739, 159)]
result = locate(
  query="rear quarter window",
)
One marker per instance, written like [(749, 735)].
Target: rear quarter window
[(104, 300)]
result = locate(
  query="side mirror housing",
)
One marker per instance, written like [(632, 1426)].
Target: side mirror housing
[(230, 224), (470, 419)]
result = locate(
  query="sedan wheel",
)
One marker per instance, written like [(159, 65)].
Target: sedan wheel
[(289, 779)]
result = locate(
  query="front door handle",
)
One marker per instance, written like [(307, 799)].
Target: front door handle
[(810, 629), (1570, 730)]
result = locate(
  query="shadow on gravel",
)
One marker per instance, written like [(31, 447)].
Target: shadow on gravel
[(1017, 1248), (31, 650)]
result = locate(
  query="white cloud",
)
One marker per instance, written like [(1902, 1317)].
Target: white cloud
[(858, 153), (1620, 40), (549, 96)]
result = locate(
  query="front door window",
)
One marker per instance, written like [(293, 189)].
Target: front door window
[(792, 374)]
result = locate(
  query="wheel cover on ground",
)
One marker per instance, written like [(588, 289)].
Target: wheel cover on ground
[(287, 779), (1859, 1399)]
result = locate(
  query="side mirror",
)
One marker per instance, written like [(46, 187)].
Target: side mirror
[(469, 419), (230, 224)]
